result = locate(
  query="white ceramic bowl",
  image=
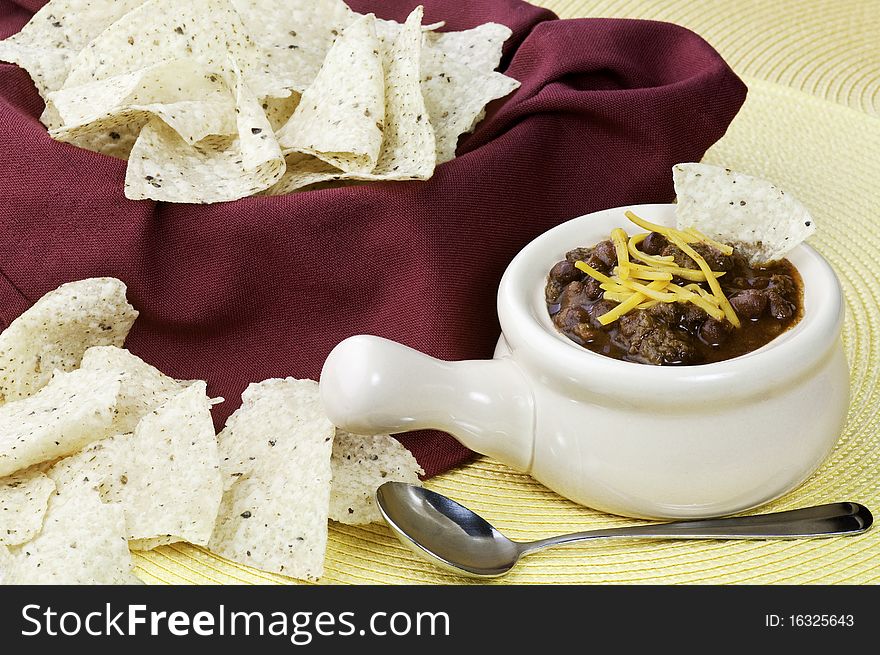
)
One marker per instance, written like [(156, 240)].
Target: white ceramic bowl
[(626, 438)]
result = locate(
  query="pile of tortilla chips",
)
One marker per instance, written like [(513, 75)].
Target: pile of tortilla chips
[(215, 100), (101, 454)]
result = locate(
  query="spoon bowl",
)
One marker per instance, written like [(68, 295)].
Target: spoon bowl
[(447, 533), (459, 540)]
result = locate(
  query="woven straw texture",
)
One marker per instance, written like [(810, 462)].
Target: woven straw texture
[(811, 125)]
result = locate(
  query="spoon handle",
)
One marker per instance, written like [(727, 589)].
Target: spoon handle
[(830, 520)]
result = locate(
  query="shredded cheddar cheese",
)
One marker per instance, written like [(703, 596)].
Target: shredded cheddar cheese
[(641, 272), (619, 239), (696, 288), (640, 280), (652, 290), (660, 229), (692, 274), (618, 296), (630, 303)]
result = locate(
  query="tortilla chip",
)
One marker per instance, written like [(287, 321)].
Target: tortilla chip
[(153, 542), (275, 459), (297, 37), (56, 331), (456, 96), (387, 30), (360, 464), (24, 497), (340, 117), (48, 43), (73, 410), (142, 387), (189, 99), (6, 563), (166, 82), (408, 147), (479, 48), (302, 171), (164, 167), (165, 476), (113, 136), (279, 110), (82, 542), (91, 468), (207, 32), (50, 117), (761, 220)]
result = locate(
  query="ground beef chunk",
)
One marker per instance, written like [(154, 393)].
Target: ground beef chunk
[(592, 257), (573, 295), (585, 333), (783, 285), (551, 291), (781, 290), (654, 244), (578, 293), (597, 309), (593, 288), (571, 319), (578, 254), (681, 259), (667, 312), (654, 341), (602, 257), (717, 261), (740, 262)]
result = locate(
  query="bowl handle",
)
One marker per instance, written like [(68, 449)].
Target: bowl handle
[(371, 385)]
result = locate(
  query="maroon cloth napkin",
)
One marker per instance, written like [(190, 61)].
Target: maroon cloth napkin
[(263, 287)]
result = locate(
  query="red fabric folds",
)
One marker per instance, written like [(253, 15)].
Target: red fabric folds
[(262, 287)]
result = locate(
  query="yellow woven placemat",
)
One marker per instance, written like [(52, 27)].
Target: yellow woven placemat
[(828, 48), (826, 154)]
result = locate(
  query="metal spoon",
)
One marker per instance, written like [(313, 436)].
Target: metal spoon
[(457, 539)]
